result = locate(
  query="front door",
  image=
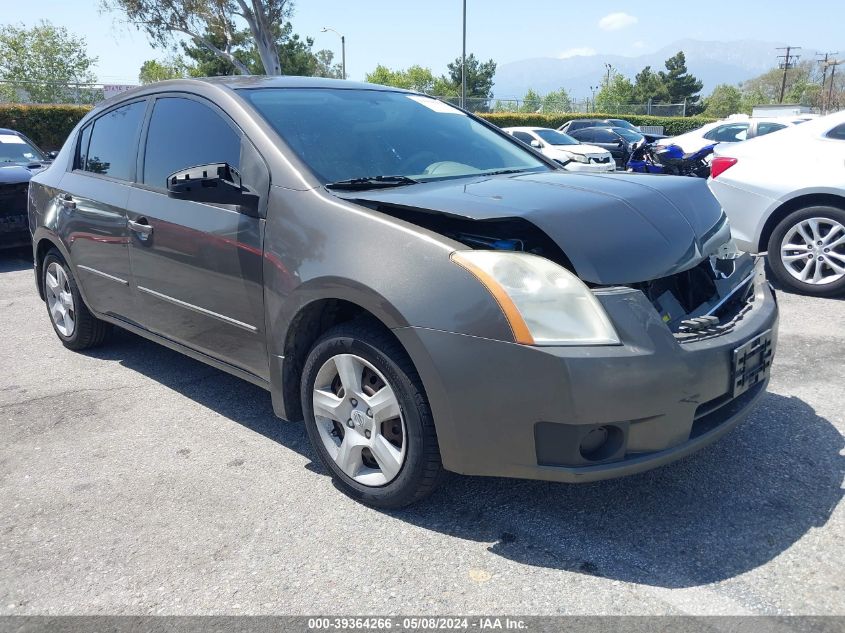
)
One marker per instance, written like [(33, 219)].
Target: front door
[(197, 267), (91, 209)]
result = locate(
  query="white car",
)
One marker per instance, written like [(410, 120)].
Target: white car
[(785, 194), (572, 154), (732, 130)]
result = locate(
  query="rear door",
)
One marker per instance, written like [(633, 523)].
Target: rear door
[(612, 142), (198, 267), (92, 206)]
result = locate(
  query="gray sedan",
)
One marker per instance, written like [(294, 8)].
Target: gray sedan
[(426, 292)]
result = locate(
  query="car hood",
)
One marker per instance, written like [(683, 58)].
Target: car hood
[(614, 228), (582, 149), (14, 174)]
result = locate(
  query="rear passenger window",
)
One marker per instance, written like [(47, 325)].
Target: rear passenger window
[(185, 133), (524, 137), (768, 128), (837, 133), (113, 147), (585, 136)]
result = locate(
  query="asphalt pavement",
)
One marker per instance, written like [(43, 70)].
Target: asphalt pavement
[(134, 480)]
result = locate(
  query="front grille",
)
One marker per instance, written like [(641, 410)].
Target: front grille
[(704, 301), (600, 159)]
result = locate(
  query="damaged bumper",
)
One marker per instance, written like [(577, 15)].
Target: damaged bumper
[(580, 414)]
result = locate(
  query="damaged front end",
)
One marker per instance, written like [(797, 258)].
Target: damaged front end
[(705, 300)]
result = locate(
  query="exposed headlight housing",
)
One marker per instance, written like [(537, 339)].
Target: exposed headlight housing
[(544, 303)]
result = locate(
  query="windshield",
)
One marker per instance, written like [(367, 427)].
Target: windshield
[(553, 137), (624, 124), (14, 149), (352, 134), (628, 135)]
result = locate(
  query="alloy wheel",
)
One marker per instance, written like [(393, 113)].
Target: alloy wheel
[(359, 420), (813, 251), (60, 299)]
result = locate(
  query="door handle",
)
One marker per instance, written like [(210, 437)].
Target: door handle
[(141, 227), (67, 202)]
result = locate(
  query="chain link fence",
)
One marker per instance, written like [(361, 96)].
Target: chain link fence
[(552, 106), (55, 92)]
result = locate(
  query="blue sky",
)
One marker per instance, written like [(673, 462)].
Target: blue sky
[(399, 33)]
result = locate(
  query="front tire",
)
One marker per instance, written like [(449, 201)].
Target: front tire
[(368, 417), (807, 251), (71, 319)]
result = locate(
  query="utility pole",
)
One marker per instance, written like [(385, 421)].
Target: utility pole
[(609, 70), (464, 62), (786, 65), (824, 63), (833, 65)]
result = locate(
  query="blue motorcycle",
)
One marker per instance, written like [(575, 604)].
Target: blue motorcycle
[(650, 158)]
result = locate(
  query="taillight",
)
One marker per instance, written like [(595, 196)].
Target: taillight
[(720, 164)]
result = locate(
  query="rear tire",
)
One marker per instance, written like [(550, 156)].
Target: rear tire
[(380, 451), (807, 251), (71, 319)]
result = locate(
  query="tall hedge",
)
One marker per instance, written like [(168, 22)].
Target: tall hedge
[(47, 125), (672, 125)]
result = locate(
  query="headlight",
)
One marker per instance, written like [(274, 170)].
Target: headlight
[(578, 158), (544, 303)]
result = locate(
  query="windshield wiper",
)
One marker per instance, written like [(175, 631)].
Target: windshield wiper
[(504, 171), (372, 182)]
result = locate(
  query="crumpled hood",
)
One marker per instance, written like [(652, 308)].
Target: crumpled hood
[(13, 174), (614, 228)]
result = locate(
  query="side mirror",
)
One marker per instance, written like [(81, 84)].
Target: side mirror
[(52, 155), (536, 144), (216, 183)]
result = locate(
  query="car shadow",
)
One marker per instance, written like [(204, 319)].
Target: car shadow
[(14, 259), (724, 511)]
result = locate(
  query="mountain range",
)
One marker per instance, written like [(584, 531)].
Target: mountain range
[(712, 62)]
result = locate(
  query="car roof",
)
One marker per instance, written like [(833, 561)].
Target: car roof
[(5, 130), (238, 82)]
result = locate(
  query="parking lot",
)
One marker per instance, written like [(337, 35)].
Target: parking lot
[(134, 480)]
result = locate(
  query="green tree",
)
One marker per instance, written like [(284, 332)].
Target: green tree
[(649, 86), (154, 70), (614, 93), (45, 64), (681, 85), (479, 77), (557, 101), (261, 20), (296, 55), (414, 78), (802, 86), (723, 101), (531, 101)]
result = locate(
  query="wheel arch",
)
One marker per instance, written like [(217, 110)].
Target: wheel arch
[(794, 204), (43, 245), (310, 320)]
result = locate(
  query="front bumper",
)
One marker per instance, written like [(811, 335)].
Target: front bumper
[(503, 409)]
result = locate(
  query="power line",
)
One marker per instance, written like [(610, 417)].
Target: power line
[(786, 65)]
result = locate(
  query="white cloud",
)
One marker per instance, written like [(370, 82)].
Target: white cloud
[(580, 51), (616, 21), (639, 45)]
